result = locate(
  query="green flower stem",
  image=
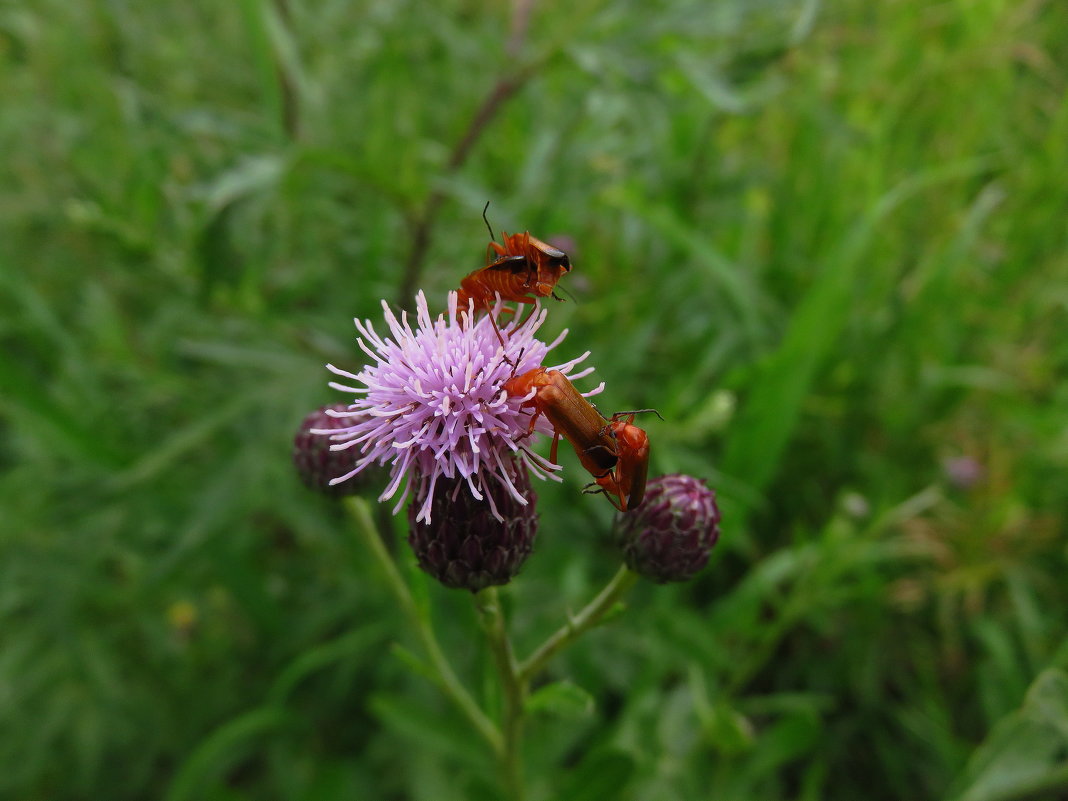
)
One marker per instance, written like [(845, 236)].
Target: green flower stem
[(514, 690), (589, 617), (446, 677)]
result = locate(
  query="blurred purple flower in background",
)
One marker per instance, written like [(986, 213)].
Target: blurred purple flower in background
[(963, 472)]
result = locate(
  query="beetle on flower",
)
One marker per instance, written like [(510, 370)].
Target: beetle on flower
[(431, 403)]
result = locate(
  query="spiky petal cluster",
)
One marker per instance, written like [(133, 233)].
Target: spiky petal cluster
[(467, 547), (669, 537), (316, 464), (431, 404)]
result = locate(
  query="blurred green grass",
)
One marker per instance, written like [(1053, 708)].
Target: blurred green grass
[(827, 241)]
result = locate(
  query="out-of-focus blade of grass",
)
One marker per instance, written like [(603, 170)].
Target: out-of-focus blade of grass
[(267, 359), (743, 293), (291, 72), (421, 725), (255, 14), (353, 642), (772, 406), (229, 193), (602, 774), (221, 747), (69, 434), (186, 439), (806, 20)]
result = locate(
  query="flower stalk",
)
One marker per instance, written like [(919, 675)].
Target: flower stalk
[(505, 740), (591, 615), (513, 689), (445, 676)]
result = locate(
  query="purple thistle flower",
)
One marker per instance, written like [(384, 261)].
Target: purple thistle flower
[(431, 403)]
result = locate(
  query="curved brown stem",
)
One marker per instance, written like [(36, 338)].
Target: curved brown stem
[(503, 90)]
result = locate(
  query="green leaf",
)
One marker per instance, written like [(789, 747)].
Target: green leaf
[(1026, 753), (561, 699), (727, 729)]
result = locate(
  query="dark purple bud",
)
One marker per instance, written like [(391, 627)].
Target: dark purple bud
[(316, 463), (669, 536), (466, 546)]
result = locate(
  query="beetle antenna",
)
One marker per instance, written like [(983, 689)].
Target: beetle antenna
[(566, 292), (639, 411), (485, 220), (515, 364)]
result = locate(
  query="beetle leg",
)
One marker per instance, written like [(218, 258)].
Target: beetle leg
[(492, 248), (553, 449), (500, 338), (593, 489), (533, 419)]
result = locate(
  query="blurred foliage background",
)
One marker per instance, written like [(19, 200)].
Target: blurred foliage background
[(826, 240)]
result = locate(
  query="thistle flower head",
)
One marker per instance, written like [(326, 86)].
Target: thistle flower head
[(466, 546), (430, 404), (669, 536), (316, 464)]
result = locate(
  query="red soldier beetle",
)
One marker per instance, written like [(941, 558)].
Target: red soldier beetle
[(524, 269), (624, 486), (615, 452), (572, 417), (546, 264)]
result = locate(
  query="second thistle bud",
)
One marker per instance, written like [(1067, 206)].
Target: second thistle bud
[(316, 463), (669, 537), (466, 546)]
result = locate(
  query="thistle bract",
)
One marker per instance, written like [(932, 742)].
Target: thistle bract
[(467, 546), (316, 464), (669, 536)]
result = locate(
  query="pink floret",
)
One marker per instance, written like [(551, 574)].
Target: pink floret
[(430, 402)]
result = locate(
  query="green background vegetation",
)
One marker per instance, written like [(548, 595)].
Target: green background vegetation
[(826, 240)]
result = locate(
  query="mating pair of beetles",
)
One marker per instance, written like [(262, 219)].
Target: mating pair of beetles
[(614, 450)]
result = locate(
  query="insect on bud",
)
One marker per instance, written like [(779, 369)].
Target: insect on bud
[(669, 536), (316, 463), (466, 546)]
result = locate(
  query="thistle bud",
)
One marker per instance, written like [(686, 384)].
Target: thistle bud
[(314, 460), (669, 536), (467, 546)]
